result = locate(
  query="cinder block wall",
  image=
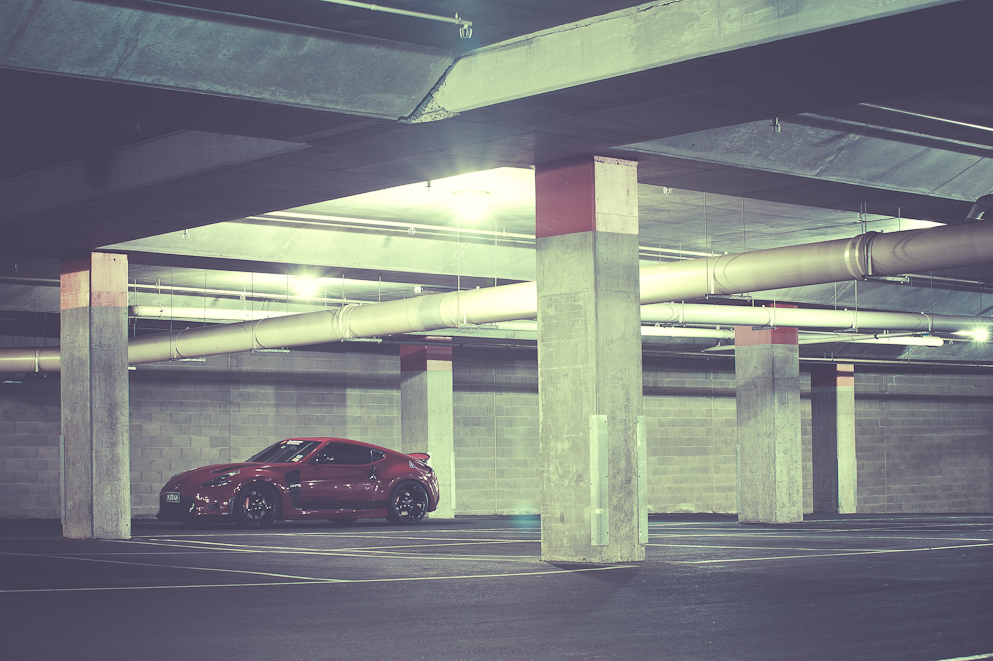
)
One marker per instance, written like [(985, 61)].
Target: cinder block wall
[(692, 437), (924, 441), (30, 421), (185, 415), (496, 431)]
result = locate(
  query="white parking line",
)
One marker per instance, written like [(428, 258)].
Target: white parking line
[(970, 658), (825, 555), (365, 552), (328, 581), (159, 566)]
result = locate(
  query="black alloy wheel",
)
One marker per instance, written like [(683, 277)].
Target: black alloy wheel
[(256, 505), (408, 504)]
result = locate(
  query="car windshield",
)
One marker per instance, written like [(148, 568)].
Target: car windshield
[(286, 452)]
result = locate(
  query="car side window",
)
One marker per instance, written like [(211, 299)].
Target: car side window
[(342, 454)]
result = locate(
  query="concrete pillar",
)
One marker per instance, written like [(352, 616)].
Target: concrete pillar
[(95, 416), (832, 416), (589, 362), (770, 467), (427, 417)]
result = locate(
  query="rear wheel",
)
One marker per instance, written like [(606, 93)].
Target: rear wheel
[(408, 504), (256, 505)]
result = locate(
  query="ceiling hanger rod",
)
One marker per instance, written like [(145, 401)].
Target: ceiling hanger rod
[(465, 27)]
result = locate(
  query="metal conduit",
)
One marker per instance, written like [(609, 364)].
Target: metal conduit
[(725, 315), (810, 264)]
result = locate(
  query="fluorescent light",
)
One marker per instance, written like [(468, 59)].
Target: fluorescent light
[(470, 205), (306, 285), (976, 334)]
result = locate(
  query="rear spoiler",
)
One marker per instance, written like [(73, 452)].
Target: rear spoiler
[(419, 456)]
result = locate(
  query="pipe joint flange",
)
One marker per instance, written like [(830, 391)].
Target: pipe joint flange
[(858, 255), (344, 332)]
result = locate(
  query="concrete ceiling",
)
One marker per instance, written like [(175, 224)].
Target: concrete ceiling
[(231, 148)]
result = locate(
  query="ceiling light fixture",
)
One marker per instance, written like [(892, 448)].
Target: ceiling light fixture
[(470, 205), (306, 286), (976, 334), (465, 27)]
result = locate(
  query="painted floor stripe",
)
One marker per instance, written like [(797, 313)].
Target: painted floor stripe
[(329, 581), (825, 555), (160, 566), (970, 658), (351, 553)]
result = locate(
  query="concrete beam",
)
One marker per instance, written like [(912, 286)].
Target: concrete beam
[(824, 150), (190, 49), (629, 41), (393, 251), (163, 160)]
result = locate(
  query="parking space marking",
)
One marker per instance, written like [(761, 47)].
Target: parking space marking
[(799, 534), (828, 555), (362, 552), (311, 581), (970, 658), (158, 566)]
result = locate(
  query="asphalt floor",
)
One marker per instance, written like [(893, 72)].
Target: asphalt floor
[(908, 587)]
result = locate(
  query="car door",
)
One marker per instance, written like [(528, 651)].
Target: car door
[(341, 477)]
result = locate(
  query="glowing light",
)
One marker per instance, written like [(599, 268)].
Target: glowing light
[(470, 205), (976, 334), (306, 286)]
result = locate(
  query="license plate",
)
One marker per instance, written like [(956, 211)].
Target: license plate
[(172, 497)]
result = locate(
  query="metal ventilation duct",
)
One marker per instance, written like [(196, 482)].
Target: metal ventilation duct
[(795, 266)]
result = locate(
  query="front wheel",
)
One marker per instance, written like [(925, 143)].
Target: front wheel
[(256, 506), (408, 504)]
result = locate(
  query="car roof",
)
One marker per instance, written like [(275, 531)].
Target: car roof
[(337, 440)]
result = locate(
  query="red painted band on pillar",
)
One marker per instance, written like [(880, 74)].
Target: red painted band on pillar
[(423, 358), (565, 197), (101, 280), (832, 376), (747, 336)]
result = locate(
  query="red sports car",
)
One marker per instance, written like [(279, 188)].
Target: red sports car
[(305, 478)]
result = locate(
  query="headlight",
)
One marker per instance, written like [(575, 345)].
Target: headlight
[(221, 480)]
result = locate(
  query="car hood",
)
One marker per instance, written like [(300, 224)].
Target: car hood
[(205, 473)]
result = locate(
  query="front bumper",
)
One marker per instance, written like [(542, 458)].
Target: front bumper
[(188, 508)]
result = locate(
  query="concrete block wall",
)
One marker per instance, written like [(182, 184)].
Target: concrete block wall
[(691, 419), (30, 421), (496, 432), (692, 437), (924, 441)]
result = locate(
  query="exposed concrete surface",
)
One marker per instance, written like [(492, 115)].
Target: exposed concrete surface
[(832, 422), (427, 417), (184, 48), (652, 35), (589, 361), (95, 402), (770, 476), (879, 588)]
